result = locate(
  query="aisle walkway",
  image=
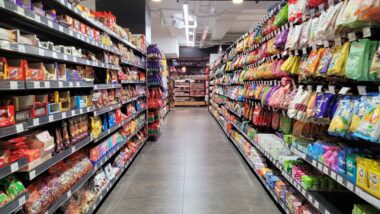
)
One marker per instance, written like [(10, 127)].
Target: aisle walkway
[(191, 169)]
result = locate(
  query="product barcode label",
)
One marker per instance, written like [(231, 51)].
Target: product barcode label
[(339, 179), (72, 149), (321, 7), (21, 48), (50, 24), (326, 170), (350, 186), (316, 204), (366, 32), (41, 52), (60, 84), (37, 18), (63, 115), (70, 84), (54, 54), (332, 89), (60, 28), (362, 90), (21, 201), (51, 118), (333, 174), (36, 84), (352, 36), (36, 121), (344, 90), (47, 84), (20, 11)]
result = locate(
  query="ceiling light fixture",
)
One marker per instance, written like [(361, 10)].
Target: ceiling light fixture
[(186, 17), (156, 0), (237, 1)]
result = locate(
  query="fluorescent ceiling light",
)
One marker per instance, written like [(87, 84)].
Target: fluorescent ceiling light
[(156, 0), (237, 1), (186, 17)]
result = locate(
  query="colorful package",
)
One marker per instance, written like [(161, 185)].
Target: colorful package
[(342, 117)]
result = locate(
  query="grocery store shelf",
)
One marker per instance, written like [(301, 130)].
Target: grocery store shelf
[(13, 129), (337, 177), (189, 103), (313, 197), (48, 54), (7, 85), (15, 204), (133, 99), (106, 189), (56, 84), (13, 167), (36, 21), (56, 159), (262, 181), (106, 86), (117, 148), (125, 62), (107, 109), (34, 122), (67, 195), (117, 126), (133, 82), (96, 24)]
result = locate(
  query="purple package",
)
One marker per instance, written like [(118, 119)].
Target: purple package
[(281, 39), (27, 4), (334, 106), (323, 104), (269, 94)]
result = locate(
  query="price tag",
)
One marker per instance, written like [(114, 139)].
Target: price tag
[(296, 52), (81, 111), (312, 12), (316, 204), (314, 47), (309, 88), (68, 194), (54, 54), (50, 24), (60, 84), (77, 84), (350, 186), (326, 44), (41, 52), (2, 3), (303, 191), (21, 201), (73, 149), (319, 88), (352, 36), (75, 59), (14, 167), (71, 33), (13, 85), (60, 28), (36, 84), (314, 163), (36, 121), (339, 179), (331, 3), (21, 48), (65, 57), (63, 115), (321, 7), (344, 90), (362, 90), (70, 84), (326, 170), (20, 11), (47, 84), (366, 32), (320, 166), (333, 174), (310, 198), (332, 89), (304, 51), (37, 18), (51, 118)]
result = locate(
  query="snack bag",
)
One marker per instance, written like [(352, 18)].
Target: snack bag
[(324, 62), (342, 117), (338, 61), (355, 66), (375, 65), (297, 9), (360, 107), (369, 126), (282, 16), (359, 14)]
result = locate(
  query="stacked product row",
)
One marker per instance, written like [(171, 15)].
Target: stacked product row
[(301, 88), (158, 89), (73, 98), (189, 90)]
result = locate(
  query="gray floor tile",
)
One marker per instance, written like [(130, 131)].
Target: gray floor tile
[(191, 169)]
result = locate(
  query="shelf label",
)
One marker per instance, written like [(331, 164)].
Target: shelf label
[(77, 84), (21, 201), (71, 84), (60, 84), (36, 84), (362, 90), (64, 56), (81, 111), (54, 54), (13, 85), (50, 24), (366, 32), (68, 194), (331, 3), (51, 118), (36, 121), (350, 186), (47, 84), (14, 167), (339, 179), (333, 174), (73, 149), (316, 204), (21, 48), (71, 33), (37, 18), (321, 7), (320, 167), (20, 11), (326, 170), (352, 36), (19, 128), (60, 28), (32, 174), (319, 88), (41, 52), (332, 89), (344, 90), (63, 115)]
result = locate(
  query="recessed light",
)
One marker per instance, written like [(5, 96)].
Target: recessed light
[(156, 0), (237, 1)]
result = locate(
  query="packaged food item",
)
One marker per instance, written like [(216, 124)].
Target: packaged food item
[(369, 126), (342, 118)]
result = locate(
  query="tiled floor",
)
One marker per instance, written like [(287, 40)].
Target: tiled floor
[(191, 169)]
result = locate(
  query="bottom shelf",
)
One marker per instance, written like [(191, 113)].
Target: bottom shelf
[(108, 187), (276, 199)]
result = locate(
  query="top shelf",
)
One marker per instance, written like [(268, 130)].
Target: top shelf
[(74, 10)]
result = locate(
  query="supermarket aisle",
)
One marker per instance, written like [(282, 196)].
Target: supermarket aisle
[(191, 169)]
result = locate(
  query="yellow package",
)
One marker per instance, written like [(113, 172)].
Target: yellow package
[(310, 105), (96, 126), (338, 62), (287, 64), (295, 66), (373, 178), (362, 172)]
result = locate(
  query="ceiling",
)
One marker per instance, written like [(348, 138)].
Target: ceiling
[(218, 22)]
